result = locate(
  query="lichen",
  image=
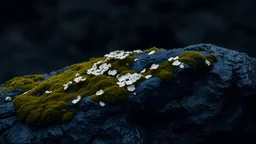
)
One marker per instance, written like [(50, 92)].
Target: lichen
[(39, 108)]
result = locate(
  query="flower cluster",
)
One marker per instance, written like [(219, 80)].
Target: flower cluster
[(176, 61), (79, 78), (118, 54), (95, 70), (128, 79)]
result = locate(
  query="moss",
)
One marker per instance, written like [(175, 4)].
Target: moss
[(113, 94), (68, 116), (38, 108), (164, 71), (153, 48), (196, 60), (26, 82)]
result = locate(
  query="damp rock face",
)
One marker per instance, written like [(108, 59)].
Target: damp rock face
[(205, 95)]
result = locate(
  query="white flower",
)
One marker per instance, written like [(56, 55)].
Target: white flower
[(76, 100), (154, 66), (176, 63), (78, 79), (136, 59), (25, 92), (152, 52), (173, 58), (48, 92), (100, 92), (134, 93), (144, 70), (112, 72), (118, 54), (208, 62), (121, 84), (117, 76), (77, 74), (102, 103), (67, 85), (131, 87), (8, 99), (128, 79), (177, 57), (98, 70), (148, 76), (137, 51), (181, 65)]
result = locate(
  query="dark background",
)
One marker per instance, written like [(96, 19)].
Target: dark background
[(39, 36)]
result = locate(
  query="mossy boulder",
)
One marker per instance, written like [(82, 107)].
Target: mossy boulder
[(191, 98), (46, 101)]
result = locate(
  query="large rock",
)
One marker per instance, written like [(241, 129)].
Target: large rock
[(213, 107)]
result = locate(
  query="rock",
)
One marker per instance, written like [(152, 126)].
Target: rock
[(194, 108)]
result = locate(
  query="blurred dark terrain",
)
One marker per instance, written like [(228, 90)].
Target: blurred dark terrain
[(45, 35)]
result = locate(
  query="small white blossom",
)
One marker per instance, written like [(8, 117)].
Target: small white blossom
[(102, 103), (131, 87), (48, 92), (128, 79), (208, 62), (154, 66), (121, 84), (7, 99), (77, 74), (181, 65), (137, 51), (76, 100), (148, 76), (95, 70), (173, 58), (117, 76), (100, 92), (136, 59), (67, 85), (134, 93), (177, 57), (118, 54), (78, 79), (25, 92), (112, 72), (176, 63), (152, 52), (144, 70)]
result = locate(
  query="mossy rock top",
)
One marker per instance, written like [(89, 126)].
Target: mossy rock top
[(105, 80)]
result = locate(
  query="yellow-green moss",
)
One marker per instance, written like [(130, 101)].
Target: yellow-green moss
[(38, 108), (113, 94), (153, 48), (197, 60), (164, 71), (26, 82)]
